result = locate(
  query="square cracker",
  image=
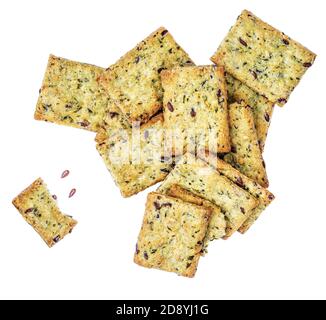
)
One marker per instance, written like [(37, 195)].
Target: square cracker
[(134, 80), (264, 196), (135, 157), (217, 224), (263, 58), (172, 234), (71, 95), (39, 209), (262, 109), (195, 105), (198, 177), (245, 153)]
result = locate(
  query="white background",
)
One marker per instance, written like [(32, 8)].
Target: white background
[(282, 256)]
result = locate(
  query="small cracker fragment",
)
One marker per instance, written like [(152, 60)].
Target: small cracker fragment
[(39, 209), (217, 224), (172, 234), (245, 153), (264, 196), (195, 105), (263, 58), (135, 164), (198, 177), (134, 80), (71, 95), (262, 109)]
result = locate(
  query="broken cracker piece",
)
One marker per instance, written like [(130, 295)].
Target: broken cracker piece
[(40, 210)]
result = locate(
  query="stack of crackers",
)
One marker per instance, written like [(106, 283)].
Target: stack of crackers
[(199, 129)]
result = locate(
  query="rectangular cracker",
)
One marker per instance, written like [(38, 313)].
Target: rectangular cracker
[(195, 104), (136, 162), (198, 177), (71, 95), (134, 80), (217, 224), (172, 234), (245, 153), (264, 196), (262, 109), (263, 58), (39, 209)]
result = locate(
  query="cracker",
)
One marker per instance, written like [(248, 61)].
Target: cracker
[(198, 177), (71, 95), (262, 109), (39, 209), (264, 196), (245, 154), (195, 104), (172, 234), (263, 58), (217, 224), (134, 80), (135, 164)]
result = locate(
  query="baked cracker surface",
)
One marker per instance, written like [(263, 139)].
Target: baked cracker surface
[(195, 108)]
